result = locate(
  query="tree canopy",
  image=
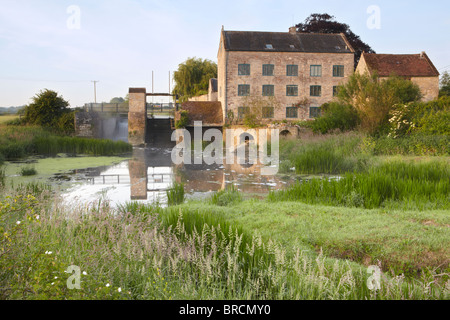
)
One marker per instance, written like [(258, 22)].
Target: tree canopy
[(46, 109), (445, 85), (324, 23), (374, 99), (192, 78)]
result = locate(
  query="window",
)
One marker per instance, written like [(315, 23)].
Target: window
[(243, 90), (314, 112), (335, 91), (292, 70), (291, 112), (268, 90), (269, 46), (291, 90), (316, 71), (338, 71), (244, 69), (315, 91), (267, 112), (242, 111), (268, 69)]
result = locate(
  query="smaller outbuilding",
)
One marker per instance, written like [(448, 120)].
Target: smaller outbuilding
[(415, 67)]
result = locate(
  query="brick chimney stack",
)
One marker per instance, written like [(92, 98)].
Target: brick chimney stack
[(293, 30)]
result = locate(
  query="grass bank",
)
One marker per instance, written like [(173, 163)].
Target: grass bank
[(17, 142), (174, 253)]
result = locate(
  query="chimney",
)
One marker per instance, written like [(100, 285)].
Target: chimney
[(293, 30)]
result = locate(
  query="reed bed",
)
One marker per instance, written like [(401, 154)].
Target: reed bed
[(176, 194), (425, 185)]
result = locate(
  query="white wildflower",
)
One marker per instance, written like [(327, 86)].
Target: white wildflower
[(107, 285), (120, 289), (85, 273), (18, 222)]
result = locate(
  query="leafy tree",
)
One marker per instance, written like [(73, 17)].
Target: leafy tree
[(445, 85), (47, 110), (374, 99), (117, 100), (192, 78), (324, 23)]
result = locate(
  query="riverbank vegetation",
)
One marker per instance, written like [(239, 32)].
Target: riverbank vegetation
[(368, 195)]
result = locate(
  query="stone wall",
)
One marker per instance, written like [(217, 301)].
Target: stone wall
[(429, 86), (87, 124), (137, 116), (280, 80)]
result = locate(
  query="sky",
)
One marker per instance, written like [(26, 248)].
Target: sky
[(65, 45)]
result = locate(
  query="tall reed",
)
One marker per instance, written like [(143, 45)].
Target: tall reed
[(176, 194)]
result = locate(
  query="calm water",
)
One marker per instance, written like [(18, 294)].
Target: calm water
[(150, 172)]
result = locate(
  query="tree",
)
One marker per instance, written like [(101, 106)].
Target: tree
[(192, 78), (445, 85), (374, 99), (324, 23), (117, 100), (46, 109)]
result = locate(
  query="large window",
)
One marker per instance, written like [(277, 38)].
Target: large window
[(242, 111), (268, 69), (291, 112), (267, 112), (244, 69), (315, 91), (268, 90), (338, 71), (314, 112), (316, 71), (292, 70), (243, 90), (292, 90)]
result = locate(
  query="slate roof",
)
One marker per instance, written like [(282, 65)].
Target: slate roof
[(403, 65), (286, 42)]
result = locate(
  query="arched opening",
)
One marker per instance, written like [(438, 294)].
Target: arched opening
[(285, 133)]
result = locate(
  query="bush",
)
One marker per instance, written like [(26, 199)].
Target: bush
[(226, 197), (184, 120), (431, 118), (335, 116), (28, 171)]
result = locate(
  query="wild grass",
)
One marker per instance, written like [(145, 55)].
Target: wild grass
[(28, 171), (181, 255), (420, 185), (324, 154), (225, 197), (176, 194), (17, 142)]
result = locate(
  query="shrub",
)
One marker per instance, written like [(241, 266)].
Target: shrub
[(184, 120), (374, 99), (28, 171), (226, 197), (426, 118), (335, 116)]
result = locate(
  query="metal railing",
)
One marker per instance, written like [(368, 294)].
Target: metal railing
[(122, 108)]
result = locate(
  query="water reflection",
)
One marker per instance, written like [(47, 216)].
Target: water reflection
[(150, 172)]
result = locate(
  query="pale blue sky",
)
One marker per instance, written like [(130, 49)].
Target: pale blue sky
[(120, 42)]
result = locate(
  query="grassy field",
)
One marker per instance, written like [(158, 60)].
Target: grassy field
[(6, 118), (312, 241)]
